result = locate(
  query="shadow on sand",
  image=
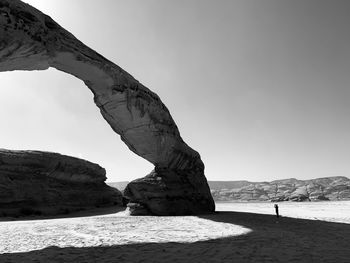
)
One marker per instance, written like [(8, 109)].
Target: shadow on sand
[(285, 240), (81, 213)]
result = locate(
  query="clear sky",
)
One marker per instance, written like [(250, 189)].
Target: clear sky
[(259, 88)]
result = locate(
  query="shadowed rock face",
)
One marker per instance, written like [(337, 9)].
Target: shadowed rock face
[(30, 40), (51, 183), (50, 164)]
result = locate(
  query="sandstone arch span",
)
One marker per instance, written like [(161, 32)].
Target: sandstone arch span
[(31, 40)]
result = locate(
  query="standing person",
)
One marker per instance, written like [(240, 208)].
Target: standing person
[(276, 209)]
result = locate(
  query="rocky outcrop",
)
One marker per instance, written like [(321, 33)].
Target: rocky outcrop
[(50, 164), (30, 40), (169, 193), (50, 183), (321, 189)]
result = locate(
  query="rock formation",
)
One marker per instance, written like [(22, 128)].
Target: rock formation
[(31, 40), (320, 189), (50, 183)]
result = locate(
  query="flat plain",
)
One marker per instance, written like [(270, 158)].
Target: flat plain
[(334, 211)]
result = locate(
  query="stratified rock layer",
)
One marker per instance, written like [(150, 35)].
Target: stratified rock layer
[(30, 40), (320, 189), (51, 183), (50, 164)]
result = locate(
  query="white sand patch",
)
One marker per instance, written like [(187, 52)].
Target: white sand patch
[(118, 229)]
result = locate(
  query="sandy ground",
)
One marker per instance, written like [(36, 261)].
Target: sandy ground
[(221, 237), (335, 211)]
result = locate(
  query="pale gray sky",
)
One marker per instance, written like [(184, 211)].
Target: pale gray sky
[(259, 88)]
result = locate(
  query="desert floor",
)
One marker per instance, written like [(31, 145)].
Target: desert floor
[(335, 211), (225, 236)]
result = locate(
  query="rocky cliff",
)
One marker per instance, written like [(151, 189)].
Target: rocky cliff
[(320, 189), (50, 183), (31, 40)]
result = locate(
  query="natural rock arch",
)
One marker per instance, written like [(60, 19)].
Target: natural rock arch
[(31, 40)]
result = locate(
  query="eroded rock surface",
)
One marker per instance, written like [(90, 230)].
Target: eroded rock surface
[(52, 165), (31, 40), (169, 193), (320, 189), (51, 183)]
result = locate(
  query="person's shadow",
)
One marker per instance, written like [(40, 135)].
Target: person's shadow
[(285, 240)]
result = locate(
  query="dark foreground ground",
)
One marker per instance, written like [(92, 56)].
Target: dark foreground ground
[(270, 240)]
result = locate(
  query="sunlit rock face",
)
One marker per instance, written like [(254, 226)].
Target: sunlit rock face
[(51, 183), (30, 40), (319, 189)]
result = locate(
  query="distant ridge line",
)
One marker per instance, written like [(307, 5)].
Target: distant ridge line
[(122, 183), (291, 189)]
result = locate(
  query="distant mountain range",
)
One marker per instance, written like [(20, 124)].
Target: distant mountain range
[(119, 185), (327, 188)]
